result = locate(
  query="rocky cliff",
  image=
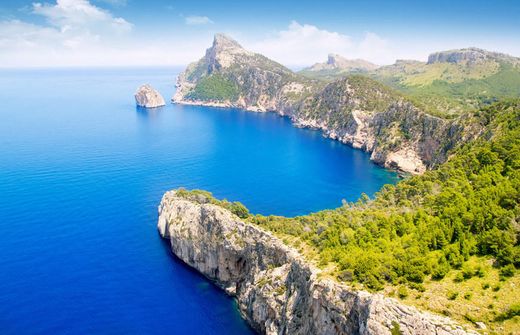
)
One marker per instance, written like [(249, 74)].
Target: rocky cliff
[(369, 116), (469, 55), (230, 76), (278, 292)]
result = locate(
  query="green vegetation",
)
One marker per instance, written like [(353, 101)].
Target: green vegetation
[(453, 88), (443, 239), (331, 74), (334, 105), (204, 197), (510, 313), (214, 87), (396, 329), (429, 224), (454, 230)]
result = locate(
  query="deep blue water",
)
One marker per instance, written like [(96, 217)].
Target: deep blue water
[(82, 172)]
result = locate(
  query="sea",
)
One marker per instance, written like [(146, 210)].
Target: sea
[(82, 171)]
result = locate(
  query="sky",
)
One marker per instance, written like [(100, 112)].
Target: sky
[(64, 33)]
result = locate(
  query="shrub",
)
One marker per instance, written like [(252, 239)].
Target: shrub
[(459, 277), (511, 312), (396, 329), (402, 292), (467, 272), (507, 271), (453, 295), (418, 287)]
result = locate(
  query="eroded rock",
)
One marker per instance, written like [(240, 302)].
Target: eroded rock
[(147, 96)]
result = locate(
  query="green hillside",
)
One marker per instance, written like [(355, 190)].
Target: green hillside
[(453, 87), (457, 224)]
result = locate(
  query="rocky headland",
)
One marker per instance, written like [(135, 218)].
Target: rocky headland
[(277, 290)]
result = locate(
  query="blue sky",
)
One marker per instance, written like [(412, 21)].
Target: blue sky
[(295, 33)]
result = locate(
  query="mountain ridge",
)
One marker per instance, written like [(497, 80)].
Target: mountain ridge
[(229, 76), (336, 66)]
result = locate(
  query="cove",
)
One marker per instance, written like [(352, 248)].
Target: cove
[(82, 172)]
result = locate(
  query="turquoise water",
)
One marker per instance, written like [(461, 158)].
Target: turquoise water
[(82, 172)]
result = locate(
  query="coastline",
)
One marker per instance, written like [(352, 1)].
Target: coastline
[(412, 166), (277, 290)]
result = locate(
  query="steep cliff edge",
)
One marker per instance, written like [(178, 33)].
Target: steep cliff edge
[(370, 116), (278, 292), (356, 110)]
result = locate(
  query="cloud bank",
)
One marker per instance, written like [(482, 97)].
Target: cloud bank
[(304, 44)]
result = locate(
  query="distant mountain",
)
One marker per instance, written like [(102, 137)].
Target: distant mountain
[(455, 80), (338, 66), (471, 56), (230, 76)]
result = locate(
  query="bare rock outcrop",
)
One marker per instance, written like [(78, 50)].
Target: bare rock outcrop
[(147, 96), (277, 290)]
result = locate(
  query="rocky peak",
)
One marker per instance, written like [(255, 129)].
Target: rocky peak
[(222, 42), (224, 52), (468, 55)]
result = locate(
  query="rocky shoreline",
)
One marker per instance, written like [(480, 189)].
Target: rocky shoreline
[(363, 129), (277, 290)]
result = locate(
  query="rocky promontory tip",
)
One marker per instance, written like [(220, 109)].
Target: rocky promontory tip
[(146, 96)]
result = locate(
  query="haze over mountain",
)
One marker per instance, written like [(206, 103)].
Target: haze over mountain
[(337, 66)]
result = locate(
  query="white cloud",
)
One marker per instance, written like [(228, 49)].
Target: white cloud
[(76, 33), (305, 44), (197, 20), (80, 15)]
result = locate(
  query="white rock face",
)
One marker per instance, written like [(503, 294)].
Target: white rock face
[(148, 97), (277, 290)]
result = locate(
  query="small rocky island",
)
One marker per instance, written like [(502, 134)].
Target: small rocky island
[(146, 96)]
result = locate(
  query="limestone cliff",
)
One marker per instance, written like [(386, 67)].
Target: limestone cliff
[(469, 55), (355, 110), (278, 292), (230, 76), (369, 116), (148, 97)]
